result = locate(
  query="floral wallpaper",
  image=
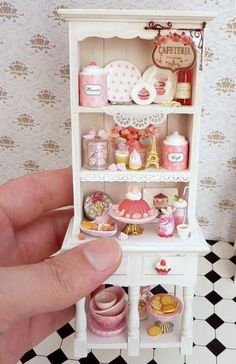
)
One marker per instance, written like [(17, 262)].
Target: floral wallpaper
[(34, 98)]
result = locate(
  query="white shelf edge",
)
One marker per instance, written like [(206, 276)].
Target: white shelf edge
[(147, 175), (137, 109), (149, 242)]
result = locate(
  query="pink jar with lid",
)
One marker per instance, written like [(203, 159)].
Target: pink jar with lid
[(93, 86), (175, 152)]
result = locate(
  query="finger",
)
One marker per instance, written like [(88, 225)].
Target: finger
[(33, 331), (42, 237), (45, 324), (56, 283), (28, 197)]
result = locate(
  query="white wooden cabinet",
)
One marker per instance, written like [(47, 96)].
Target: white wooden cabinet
[(104, 36)]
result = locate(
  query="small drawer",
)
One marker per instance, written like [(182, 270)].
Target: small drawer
[(123, 268), (164, 265)]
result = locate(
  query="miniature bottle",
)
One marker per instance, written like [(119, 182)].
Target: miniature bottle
[(166, 223), (184, 87)]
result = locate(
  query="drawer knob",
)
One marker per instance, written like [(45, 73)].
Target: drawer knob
[(162, 268)]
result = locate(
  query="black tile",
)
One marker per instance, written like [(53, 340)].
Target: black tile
[(65, 331), (213, 297), (234, 299), (215, 321), (212, 257), (152, 362), (57, 357), (212, 276), (158, 289), (90, 359), (28, 356), (212, 242), (233, 259), (118, 360), (216, 347)]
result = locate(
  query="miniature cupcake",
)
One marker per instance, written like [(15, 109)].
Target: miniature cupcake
[(143, 94), (122, 154), (162, 268), (135, 161)]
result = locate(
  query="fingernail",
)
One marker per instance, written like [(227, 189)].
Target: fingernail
[(102, 254)]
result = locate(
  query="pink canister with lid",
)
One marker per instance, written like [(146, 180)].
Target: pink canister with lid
[(175, 152), (93, 86)]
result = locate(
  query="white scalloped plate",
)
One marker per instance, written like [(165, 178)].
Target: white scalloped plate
[(165, 89)]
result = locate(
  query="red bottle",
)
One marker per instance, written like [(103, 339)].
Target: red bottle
[(184, 87)]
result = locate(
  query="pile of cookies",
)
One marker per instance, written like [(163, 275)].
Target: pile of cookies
[(164, 304), (92, 225)]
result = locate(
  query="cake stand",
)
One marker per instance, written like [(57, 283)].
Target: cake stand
[(132, 226)]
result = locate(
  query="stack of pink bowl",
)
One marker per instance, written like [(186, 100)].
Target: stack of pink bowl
[(108, 312)]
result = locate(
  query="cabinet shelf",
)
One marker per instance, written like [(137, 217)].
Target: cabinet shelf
[(146, 175), (146, 341), (138, 109)]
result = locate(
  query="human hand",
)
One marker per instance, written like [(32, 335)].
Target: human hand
[(37, 294)]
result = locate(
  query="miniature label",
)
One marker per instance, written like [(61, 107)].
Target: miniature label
[(183, 90), (174, 52), (176, 157), (93, 90)]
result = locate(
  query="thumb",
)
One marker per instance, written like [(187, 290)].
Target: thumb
[(57, 282)]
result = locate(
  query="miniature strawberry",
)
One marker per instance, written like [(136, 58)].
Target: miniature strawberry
[(163, 262)]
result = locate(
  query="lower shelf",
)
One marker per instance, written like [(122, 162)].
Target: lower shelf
[(172, 339)]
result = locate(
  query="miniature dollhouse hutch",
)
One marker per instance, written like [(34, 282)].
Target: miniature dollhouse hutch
[(105, 36)]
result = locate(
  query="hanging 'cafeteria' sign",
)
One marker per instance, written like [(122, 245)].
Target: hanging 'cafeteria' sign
[(174, 51)]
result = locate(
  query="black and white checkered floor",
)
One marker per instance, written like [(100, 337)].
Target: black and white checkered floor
[(214, 323)]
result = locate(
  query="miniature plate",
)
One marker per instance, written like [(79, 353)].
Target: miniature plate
[(144, 220), (143, 93), (100, 331), (122, 76), (164, 82), (99, 234)]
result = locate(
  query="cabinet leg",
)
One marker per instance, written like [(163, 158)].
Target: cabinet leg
[(133, 322), (80, 341), (187, 322)]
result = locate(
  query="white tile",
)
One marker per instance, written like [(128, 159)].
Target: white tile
[(68, 346), (225, 268), (227, 357), (38, 360), (225, 287), (226, 334), (72, 323), (203, 333), (202, 308), (145, 355), (105, 356), (223, 249), (201, 355), (204, 266), (167, 356), (203, 286), (50, 344), (226, 310)]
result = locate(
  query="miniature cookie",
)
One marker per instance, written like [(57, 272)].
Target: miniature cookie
[(154, 330), (170, 308), (167, 299), (155, 303)]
